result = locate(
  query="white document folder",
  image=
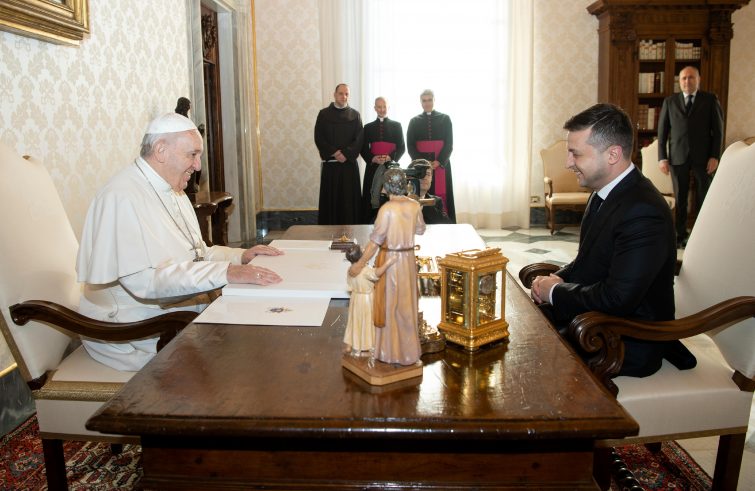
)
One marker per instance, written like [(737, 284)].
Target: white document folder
[(305, 273), (265, 311)]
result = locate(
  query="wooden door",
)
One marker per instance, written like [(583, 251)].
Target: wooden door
[(213, 115)]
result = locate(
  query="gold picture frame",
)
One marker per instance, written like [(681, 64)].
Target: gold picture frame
[(56, 21)]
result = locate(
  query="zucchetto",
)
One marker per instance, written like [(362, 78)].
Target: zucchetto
[(170, 123)]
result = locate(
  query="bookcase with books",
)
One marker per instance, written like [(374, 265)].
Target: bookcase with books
[(644, 45)]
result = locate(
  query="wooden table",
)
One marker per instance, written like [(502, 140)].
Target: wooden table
[(240, 407)]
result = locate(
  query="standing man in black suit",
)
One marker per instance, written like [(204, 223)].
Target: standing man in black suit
[(626, 257), (383, 143), (690, 133)]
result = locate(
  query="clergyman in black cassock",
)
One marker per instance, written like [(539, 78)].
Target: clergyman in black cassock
[(338, 137), (430, 136), (383, 142)]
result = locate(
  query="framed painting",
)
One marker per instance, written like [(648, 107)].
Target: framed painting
[(56, 21)]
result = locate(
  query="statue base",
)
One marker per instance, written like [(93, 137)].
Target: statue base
[(381, 373)]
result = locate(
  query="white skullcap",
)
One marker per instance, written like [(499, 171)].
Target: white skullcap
[(170, 123)]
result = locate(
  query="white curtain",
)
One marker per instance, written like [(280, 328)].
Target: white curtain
[(476, 57)]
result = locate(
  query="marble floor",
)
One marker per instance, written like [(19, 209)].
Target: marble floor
[(527, 246)]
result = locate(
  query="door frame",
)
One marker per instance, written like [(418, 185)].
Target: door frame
[(238, 105)]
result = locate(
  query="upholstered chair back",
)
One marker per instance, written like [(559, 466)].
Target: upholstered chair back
[(37, 259), (651, 170), (719, 262), (554, 166)]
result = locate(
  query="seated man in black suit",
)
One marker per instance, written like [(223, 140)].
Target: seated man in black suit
[(626, 257), (431, 213)]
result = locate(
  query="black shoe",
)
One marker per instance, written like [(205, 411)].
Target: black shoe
[(679, 356)]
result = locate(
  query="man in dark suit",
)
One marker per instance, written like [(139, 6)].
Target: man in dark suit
[(383, 143), (690, 133), (626, 257)]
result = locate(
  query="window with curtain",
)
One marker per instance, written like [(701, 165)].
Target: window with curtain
[(463, 52)]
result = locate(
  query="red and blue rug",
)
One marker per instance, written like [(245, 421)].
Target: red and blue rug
[(92, 466)]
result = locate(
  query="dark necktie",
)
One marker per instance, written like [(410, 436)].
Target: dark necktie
[(688, 106), (592, 210)]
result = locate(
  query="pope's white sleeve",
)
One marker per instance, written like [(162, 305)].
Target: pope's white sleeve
[(223, 253), (176, 280)]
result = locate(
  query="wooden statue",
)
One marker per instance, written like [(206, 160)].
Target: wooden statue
[(360, 329), (395, 301)]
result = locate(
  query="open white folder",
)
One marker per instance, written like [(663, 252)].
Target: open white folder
[(265, 311), (305, 273)]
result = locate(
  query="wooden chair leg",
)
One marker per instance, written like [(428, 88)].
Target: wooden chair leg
[(654, 447), (728, 462), (551, 212), (55, 464), (601, 468)]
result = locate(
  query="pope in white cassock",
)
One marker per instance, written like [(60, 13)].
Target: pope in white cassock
[(142, 252)]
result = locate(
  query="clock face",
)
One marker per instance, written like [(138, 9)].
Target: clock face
[(487, 284)]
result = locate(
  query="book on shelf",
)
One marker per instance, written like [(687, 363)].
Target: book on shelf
[(650, 50), (642, 116), (647, 117), (650, 82), (687, 51)]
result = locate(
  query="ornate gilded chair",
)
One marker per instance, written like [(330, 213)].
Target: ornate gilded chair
[(562, 190), (714, 321), (650, 169), (38, 297)]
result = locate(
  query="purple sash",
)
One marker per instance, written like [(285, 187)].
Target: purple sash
[(382, 148)]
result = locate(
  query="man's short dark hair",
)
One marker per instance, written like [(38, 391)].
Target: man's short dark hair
[(610, 126)]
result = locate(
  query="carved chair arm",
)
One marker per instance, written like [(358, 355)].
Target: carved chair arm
[(600, 333), (167, 325), (549, 182), (528, 273)]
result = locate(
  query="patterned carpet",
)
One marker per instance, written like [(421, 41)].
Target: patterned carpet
[(92, 466)]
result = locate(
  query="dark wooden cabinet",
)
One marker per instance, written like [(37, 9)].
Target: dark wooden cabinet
[(644, 44)]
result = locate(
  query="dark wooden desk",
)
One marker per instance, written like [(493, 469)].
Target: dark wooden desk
[(241, 407)]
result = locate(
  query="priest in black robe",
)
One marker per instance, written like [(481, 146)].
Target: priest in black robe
[(430, 137), (383, 142), (338, 136)]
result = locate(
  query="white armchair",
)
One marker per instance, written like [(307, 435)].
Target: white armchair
[(714, 320), (715, 397), (37, 261), (650, 169)]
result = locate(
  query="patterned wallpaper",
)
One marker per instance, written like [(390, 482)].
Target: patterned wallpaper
[(565, 74), (740, 122), (564, 82), (289, 85), (564, 78), (83, 110)]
